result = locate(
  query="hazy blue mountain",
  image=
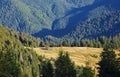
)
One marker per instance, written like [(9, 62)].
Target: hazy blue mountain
[(73, 19)]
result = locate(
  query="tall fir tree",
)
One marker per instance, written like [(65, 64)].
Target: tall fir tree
[(108, 64), (88, 72), (64, 66), (47, 69)]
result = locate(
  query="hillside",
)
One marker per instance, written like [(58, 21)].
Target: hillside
[(16, 60), (12, 52), (19, 58), (101, 18), (62, 19), (32, 16)]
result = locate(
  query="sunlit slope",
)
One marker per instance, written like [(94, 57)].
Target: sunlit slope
[(80, 55)]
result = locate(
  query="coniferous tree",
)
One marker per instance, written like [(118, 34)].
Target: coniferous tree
[(47, 69), (88, 72), (64, 66), (108, 64), (118, 66)]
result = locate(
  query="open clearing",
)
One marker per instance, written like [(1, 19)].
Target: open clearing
[(80, 55)]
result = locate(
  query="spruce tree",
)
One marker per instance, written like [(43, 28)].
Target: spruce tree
[(47, 69), (88, 72), (118, 67), (64, 66), (108, 64)]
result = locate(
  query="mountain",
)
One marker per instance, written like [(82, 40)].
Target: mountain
[(31, 16), (102, 18), (62, 19)]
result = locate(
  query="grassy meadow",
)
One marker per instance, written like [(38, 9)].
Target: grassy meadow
[(82, 56)]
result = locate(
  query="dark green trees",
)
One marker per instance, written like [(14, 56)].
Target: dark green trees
[(118, 66), (85, 72), (64, 66), (8, 65), (88, 72), (47, 69), (108, 64)]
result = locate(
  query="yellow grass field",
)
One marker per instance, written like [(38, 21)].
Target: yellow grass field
[(80, 55)]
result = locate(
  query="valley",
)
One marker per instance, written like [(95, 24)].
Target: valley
[(59, 38)]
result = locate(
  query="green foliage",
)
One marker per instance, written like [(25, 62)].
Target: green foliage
[(47, 69), (108, 64), (32, 15), (85, 72), (96, 25), (118, 66), (88, 72), (30, 41), (9, 67), (9, 37), (105, 42), (64, 66), (15, 57)]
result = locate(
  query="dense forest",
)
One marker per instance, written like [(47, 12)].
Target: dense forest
[(15, 60), (31, 16)]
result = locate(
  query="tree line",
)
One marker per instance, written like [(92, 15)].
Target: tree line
[(99, 42)]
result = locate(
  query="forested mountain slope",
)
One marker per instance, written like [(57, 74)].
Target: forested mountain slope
[(73, 19), (15, 59), (102, 18), (33, 15)]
